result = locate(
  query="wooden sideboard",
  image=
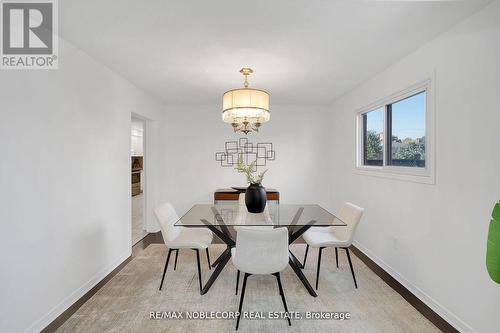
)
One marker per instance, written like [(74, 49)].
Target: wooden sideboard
[(136, 175), (229, 194)]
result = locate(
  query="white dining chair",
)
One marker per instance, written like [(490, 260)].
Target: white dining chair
[(242, 216), (242, 211), (321, 237), (177, 238), (261, 252), (241, 200)]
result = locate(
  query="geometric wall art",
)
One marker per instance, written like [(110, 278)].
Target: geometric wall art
[(250, 152)]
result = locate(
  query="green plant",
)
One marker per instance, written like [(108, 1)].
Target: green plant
[(493, 245), (248, 171)]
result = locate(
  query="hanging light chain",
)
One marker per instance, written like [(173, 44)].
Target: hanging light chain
[(246, 71), (246, 81)]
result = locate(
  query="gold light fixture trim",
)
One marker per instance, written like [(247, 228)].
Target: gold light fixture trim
[(245, 108)]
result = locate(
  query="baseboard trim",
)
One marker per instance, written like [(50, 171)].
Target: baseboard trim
[(411, 298), (151, 238)]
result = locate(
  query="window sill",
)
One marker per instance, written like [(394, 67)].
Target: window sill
[(414, 176)]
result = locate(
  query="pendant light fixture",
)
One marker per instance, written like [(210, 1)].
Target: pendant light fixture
[(245, 108)]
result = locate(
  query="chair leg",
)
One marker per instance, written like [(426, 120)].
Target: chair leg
[(319, 265), (282, 296), (208, 259), (237, 281), (165, 269), (199, 268), (337, 257), (176, 255), (350, 264), (305, 256), (279, 289), (241, 299)]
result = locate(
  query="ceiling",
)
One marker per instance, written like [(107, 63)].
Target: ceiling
[(302, 52)]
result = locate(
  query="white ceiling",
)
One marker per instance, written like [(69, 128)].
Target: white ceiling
[(302, 52)]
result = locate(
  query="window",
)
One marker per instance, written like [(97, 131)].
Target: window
[(373, 137), (406, 120), (393, 136)]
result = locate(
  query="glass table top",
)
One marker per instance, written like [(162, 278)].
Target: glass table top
[(274, 215)]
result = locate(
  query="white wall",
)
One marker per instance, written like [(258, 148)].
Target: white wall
[(194, 133), (65, 183), (433, 237)]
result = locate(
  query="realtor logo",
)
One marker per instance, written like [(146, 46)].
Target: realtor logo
[(29, 35)]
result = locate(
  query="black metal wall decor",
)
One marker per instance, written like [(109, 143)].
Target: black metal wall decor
[(260, 153)]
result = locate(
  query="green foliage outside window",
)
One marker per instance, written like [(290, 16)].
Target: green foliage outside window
[(413, 151), (373, 146)]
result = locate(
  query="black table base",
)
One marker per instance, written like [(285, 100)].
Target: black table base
[(223, 233)]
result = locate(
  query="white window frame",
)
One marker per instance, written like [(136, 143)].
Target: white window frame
[(414, 174)]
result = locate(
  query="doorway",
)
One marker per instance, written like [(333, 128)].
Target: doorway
[(138, 176)]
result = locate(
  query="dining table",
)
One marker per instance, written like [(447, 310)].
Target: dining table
[(224, 219)]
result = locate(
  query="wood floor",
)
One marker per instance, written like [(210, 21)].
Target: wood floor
[(124, 304)]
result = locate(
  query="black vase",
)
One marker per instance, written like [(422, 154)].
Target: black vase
[(255, 198)]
